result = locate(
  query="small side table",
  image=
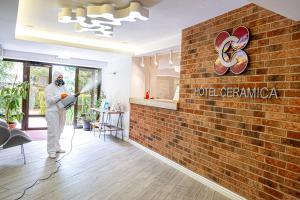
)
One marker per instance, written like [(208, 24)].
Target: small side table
[(106, 124)]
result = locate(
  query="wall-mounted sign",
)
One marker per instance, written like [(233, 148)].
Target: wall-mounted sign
[(262, 93), (238, 62)]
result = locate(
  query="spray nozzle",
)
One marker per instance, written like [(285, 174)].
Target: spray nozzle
[(77, 94)]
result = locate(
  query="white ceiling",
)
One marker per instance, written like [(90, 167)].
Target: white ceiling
[(167, 19), (8, 17), (162, 30)]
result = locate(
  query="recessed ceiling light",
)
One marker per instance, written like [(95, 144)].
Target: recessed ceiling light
[(171, 58), (142, 64), (155, 60), (64, 56)]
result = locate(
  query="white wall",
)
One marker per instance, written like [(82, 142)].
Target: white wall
[(116, 80), (137, 88)]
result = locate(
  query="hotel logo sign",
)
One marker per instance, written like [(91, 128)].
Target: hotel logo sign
[(238, 60)]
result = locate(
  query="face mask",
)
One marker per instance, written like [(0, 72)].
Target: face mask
[(59, 82)]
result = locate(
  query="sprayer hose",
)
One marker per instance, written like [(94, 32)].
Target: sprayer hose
[(52, 173)]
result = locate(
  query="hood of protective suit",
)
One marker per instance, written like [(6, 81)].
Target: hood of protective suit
[(53, 93), (56, 74)]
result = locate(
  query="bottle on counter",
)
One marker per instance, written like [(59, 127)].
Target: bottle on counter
[(147, 94)]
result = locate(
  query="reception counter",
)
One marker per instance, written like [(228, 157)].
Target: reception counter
[(159, 103)]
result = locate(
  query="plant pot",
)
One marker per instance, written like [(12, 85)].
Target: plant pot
[(86, 125), (12, 125)]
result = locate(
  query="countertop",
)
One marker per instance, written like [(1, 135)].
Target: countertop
[(159, 103)]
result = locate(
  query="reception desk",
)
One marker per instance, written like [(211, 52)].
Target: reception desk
[(159, 103)]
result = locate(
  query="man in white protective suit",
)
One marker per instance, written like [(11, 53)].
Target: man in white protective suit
[(55, 116)]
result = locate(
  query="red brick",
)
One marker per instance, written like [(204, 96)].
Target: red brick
[(277, 32), (273, 192), (267, 182), (289, 191), (292, 110), (276, 163), (293, 167), (296, 36), (266, 196), (293, 135)]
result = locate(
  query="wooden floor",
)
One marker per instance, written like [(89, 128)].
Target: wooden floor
[(111, 170)]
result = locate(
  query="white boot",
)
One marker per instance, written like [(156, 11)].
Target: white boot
[(52, 155), (60, 151)]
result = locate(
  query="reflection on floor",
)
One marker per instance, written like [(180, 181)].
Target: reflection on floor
[(37, 122), (96, 169), (37, 135)]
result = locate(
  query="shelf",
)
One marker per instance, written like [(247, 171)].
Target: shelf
[(113, 127)]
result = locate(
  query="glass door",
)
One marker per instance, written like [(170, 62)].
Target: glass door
[(87, 99), (39, 78), (84, 101)]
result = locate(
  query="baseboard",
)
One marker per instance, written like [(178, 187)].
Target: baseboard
[(222, 190), (125, 134)]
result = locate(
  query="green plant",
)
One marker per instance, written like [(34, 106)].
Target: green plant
[(84, 103), (42, 103), (69, 116), (5, 72), (100, 99), (11, 100), (89, 117)]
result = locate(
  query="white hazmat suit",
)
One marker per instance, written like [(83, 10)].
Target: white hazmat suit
[(55, 117)]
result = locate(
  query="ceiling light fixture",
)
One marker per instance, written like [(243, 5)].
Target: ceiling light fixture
[(101, 18), (64, 56), (171, 58), (142, 64), (155, 60)]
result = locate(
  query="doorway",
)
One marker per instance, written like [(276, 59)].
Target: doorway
[(38, 77)]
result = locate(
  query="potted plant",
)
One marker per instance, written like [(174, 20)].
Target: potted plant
[(88, 116), (85, 104), (87, 119), (11, 97), (100, 99)]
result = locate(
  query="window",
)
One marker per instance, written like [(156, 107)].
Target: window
[(10, 72)]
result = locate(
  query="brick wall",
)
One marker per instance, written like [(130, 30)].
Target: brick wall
[(250, 146)]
